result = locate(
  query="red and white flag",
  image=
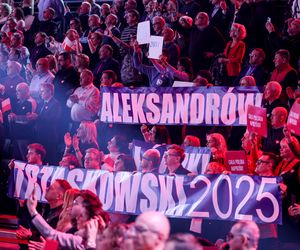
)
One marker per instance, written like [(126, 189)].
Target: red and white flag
[(6, 106), (71, 46)]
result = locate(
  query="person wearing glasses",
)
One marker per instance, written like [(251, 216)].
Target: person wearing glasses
[(173, 160), (150, 161)]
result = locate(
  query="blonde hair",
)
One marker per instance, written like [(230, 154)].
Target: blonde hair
[(65, 221), (90, 132)]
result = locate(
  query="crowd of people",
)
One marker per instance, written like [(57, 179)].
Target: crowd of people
[(53, 62)]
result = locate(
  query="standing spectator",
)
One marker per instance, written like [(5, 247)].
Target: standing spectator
[(190, 8), (132, 19), (205, 42), (275, 133), (56, 5), (42, 75), (255, 68), (284, 73), (18, 52), (39, 50), (47, 119), (106, 62), (234, 52), (85, 100), (170, 46), (5, 11)]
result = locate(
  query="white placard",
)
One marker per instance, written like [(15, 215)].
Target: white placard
[(143, 32), (155, 47), (182, 84)]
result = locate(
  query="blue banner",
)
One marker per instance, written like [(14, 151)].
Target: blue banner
[(220, 197), (225, 106), (196, 158)]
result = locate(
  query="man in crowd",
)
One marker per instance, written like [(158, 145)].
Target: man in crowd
[(92, 159), (47, 119), (42, 75), (173, 159), (150, 161), (152, 230), (85, 101), (39, 50), (254, 68), (275, 133), (244, 235)]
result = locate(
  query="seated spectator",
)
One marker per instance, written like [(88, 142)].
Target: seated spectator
[(116, 146), (173, 160), (157, 135), (244, 235), (151, 231), (124, 163), (85, 100), (18, 14), (158, 25), (76, 25), (95, 40), (289, 162), (275, 133), (70, 161), (10, 27), (247, 81), (93, 158), (271, 97), (183, 241), (111, 21), (214, 168), (150, 161), (53, 67), (65, 222), (3, 63), (87, 205), (191, 141), (218, 147)]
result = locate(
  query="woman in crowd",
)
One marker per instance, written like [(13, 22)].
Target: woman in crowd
[(53, 68), (90, 217), (247, 81), (86, 137), (191, 141), (218, 147), (18, 14), (158, 134), (116, 146), (234, 52)]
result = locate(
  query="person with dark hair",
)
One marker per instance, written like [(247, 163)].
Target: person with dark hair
[(39, 50), (36, 153), (284, 73), (70, 161), (106, 62), (3, 63), (108, 78), (124, 163), (55, 197), (132, 19), (18, 14), (157, 135), (75, 24), (46, 119), (255, 68), (174, 158), (90, 215), (116, 146)]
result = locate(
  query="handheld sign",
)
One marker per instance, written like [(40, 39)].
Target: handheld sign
[(257, 120), (236, 162), (155, 47), (293, 121), (143, 32)]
